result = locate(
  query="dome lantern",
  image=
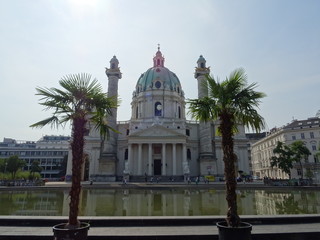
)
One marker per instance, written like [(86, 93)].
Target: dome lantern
[(158, 60)]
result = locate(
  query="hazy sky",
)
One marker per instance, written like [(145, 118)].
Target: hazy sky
[(276, 42)]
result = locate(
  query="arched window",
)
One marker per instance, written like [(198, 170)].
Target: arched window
[(158, 109), (202, 65), (126, 154), (179, 112), (137, 112), (188, 132), (188, 153), (113, 66)]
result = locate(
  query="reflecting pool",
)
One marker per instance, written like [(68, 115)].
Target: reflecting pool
[(155, 202)]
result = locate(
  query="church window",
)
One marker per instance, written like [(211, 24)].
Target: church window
[(87, 131), (113, 66), (128, 131), (126, 154), (158, 84), (188, 153), (158, 62), (178, 89), (157, 150), (188, 132), (137, 112), (179, 112), (202, 65), (158, 109)]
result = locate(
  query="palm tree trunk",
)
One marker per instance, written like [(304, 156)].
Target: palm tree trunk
[(77, 146), (229, 159)]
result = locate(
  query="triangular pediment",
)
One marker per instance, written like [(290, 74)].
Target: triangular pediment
[(157, 131)]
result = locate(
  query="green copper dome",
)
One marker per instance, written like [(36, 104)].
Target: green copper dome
[(163, 74), (158, 77)]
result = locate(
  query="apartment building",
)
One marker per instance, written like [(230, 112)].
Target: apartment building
[(307, 130), (49, 151)]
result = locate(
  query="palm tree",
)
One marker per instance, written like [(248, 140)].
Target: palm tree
[(233, 103), (80, 101)]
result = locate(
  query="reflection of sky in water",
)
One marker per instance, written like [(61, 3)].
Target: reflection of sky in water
[(155, 202)]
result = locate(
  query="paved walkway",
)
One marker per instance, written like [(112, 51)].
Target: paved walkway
[(162, 230)]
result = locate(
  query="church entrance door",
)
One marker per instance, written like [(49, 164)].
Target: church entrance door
[(157, 167)]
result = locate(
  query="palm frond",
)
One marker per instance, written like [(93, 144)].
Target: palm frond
[(53, 121)]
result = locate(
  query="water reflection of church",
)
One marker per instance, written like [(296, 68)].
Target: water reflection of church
[(158, 140)]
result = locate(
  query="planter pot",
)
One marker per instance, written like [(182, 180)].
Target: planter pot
[(62, 233), (243, 232)]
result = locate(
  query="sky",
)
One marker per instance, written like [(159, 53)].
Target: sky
[(276, 42)]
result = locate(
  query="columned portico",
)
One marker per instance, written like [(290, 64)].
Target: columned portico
[(165, 159)]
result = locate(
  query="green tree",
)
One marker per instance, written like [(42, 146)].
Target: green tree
[(14, 163), (3, 163), (283, 158), (80, 100), (300, 152), (233, 103), (35, 168)]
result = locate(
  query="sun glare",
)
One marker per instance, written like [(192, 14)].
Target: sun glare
[(82, 7)]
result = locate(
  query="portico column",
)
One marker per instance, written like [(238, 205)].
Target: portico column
[(150, 160), (128, 163), (139, 158), (174, 160), (185, 165), (164, 159)]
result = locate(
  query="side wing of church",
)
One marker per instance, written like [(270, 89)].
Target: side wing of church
[(158, 141)]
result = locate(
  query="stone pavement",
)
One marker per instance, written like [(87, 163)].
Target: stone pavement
[(303, 227), (286, 231)]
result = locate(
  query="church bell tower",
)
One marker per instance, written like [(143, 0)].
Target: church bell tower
[(108, 158), (206, 130)]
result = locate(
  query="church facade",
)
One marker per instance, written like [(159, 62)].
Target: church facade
[(158, 140)]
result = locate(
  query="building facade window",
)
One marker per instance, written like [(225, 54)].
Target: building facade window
[(302, 136), (299, 172), (311, 135)]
